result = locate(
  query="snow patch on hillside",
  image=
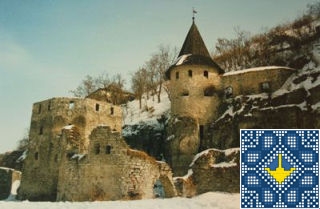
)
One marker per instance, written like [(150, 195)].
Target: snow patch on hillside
[(150, 113), (150, 110), (308, 83)]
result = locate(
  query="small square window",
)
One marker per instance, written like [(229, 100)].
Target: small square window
[(71, 105), (190, 73), (108, 149), (97, 107)]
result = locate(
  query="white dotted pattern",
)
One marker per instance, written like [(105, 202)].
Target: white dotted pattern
[(300, 150)]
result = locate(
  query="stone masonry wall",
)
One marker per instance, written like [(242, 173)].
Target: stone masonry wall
[(111, 171), (250, 82)]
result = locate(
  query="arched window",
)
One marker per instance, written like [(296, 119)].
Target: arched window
[(206, 74), (177, 75), (190, 73), (209, 91)]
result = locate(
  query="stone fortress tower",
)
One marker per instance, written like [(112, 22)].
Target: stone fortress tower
[(199, 90), (194, 80), (46, 147)]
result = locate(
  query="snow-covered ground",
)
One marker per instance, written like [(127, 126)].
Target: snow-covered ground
[(210, 200), (148, 115), (149, 112)]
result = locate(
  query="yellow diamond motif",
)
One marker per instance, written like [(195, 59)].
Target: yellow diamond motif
[(280, 174)]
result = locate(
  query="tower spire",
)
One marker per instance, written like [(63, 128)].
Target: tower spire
[(193, 14)]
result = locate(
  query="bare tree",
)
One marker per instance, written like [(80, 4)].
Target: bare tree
[(152, 84), (139, 83), (24, 142), (87, 86)]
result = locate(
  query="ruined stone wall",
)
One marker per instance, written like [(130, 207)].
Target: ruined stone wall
[(250, 82), (110, 171), (187, 92), (5, 182), (8, 177), (211, 170), (44, 150)]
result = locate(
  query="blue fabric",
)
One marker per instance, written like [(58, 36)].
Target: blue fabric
[(260, 149)]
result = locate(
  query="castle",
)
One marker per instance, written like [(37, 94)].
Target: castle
[(76, 152), (198, 87)]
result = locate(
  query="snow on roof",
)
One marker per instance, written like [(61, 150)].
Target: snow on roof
[(180, 60), (257, 69)]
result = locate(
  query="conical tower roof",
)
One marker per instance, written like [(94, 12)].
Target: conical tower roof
[(194, 52), (193, 44)]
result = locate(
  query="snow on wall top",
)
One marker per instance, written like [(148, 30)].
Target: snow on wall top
[(227, 152), (256, 69)]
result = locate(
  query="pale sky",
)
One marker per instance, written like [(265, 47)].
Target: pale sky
[(48, 47)]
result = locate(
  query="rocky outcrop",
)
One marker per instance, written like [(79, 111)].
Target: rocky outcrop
[(295, 105), (146, 137), (182, 143), (211, 170)]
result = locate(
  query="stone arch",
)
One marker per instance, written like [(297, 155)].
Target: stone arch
[(167, 185)]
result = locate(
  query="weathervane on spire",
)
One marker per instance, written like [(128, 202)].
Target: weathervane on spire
[(193, 13)]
